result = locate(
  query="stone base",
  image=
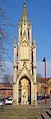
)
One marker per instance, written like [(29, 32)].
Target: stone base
[(35, 103), (14, 103), (24, 103)]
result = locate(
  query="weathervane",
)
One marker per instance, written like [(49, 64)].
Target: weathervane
[(24, 1)]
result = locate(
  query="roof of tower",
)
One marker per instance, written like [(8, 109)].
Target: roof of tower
[(24, 15)]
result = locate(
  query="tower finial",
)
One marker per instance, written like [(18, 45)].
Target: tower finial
[(24, 1), (24, 15)]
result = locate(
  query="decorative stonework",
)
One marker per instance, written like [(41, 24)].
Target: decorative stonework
[(24, 91), (24, 88)]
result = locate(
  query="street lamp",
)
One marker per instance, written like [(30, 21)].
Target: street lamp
[(44, 60)]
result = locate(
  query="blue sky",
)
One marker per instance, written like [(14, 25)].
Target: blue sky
[(39, 12)]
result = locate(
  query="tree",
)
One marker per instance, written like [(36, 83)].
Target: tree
[(7, 79), (39, 79), (4, 37)]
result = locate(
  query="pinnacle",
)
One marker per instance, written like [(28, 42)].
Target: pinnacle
[(35, 40), (24, 2), (24, 15)]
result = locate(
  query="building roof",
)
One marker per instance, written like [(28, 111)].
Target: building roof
[(3, 86)]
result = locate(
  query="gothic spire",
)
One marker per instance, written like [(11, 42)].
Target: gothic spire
[(24, 15)]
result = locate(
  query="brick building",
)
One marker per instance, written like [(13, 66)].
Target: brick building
[(6, 90)]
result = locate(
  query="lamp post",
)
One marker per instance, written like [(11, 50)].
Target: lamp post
[(44, 60)]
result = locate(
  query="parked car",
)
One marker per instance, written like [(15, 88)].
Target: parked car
[(47, 96), (8, 101), (1, 103), (41, 97)]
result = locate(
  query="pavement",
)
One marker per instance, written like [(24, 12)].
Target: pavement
[(41, 103)]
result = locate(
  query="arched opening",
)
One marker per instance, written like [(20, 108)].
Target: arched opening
[(24, 91)]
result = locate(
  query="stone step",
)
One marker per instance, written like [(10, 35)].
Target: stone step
[(24, 112), (45, 116), (48, 112)]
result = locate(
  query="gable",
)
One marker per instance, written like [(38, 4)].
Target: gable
[(24, 72)]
